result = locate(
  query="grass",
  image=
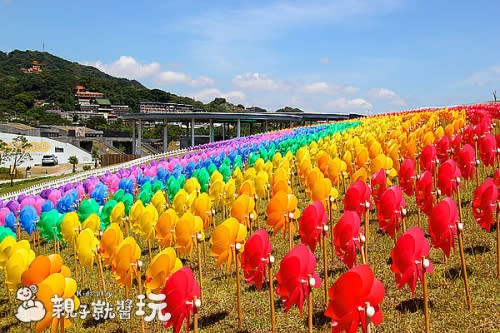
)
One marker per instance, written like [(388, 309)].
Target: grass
[(22, 184), (402, 312)]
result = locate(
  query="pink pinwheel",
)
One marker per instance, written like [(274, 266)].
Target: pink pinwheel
[(448, 175), (442, 225), (347, 237), (354, 296), (296, 268), (484, 204), (466, 159), (407, 256), (311, 224), (378, 183), (407, 176), (428, 158), (357, 198), (391, 208), (488, 149), (424, 198), (255, 258)]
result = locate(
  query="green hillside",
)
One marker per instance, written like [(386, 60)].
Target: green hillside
[(55, 84)]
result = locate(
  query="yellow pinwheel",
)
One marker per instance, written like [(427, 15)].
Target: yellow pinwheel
[(135, 215), (202, 207), (70, 227), (117, 214), (243, 209), (165, 228), (159, 201), (224, 239), (187, 230), (87, 247), (183, 201), (93, 222), (164, 264), (18, 262), (192, 185), (262, 184), (147, 222)]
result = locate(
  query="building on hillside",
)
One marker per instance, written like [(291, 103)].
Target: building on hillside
[(94, 104), (51, 131), (35, 68), (86, 97)]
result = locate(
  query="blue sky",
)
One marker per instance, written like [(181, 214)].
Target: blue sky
[(321, 56)]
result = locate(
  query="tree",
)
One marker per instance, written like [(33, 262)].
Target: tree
[(74, 161), (95, 156), (17, 152), (3, 150)]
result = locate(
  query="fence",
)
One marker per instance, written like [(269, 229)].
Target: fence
[(110, 159)]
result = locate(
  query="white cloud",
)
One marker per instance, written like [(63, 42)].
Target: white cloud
[(258, 81), (324, 60), (320, 88), (484, 78), (129, 67), (386, 95), (349, 105), (208, 95), (350, 90)]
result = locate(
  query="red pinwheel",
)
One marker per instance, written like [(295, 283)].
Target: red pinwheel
[(443, 148), (378, 183), (442, 225), (484, 204), (255, 258), (355, 296), (311, 224), (296, 268), (496, 178), (488, 149), (180, 290), (428, 158), (424, 198), (407, 258), (347, 237), (466, 159), (391, 208), (407, 176), (448, 174), (357, 197), (456, 143)]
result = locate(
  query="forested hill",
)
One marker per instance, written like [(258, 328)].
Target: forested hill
[(55, 84)]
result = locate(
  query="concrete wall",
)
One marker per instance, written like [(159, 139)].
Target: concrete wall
[(45, 146)]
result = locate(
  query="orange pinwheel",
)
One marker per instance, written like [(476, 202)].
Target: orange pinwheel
[(164, 264), (243, 209), (41, 267), (165, 228), (125, 262), (111, 238), (224, 239), (281, 207)]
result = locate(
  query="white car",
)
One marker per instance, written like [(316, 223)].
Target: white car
[(49, 160)]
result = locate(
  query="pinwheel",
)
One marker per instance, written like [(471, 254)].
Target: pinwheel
[(183, 201), (56, 285), (428, 158), (488, 149), (311, 224), (448, 178), (296, 278), (407, 254), (444, 224), (224, 239), (466, 161), (281, 209), (261, 184), (216, 192), (243, 209), (378, 186), (187, 231), (8, 220), (162, 266), (125, 262), (165, 228), (255, 258), (355, 299), (347, 237), (357, 198), (159, 202), (407, 176), (49, 226), (28, 218), (423, 193), (148, 219), (20, 257), (93, 222), (484, 205), (135, 216), (43, 266), (87, 208), (110, 240), (181, 293), (202, 207), (117, 214), (392, 208), (87, 248), (443, 148)]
